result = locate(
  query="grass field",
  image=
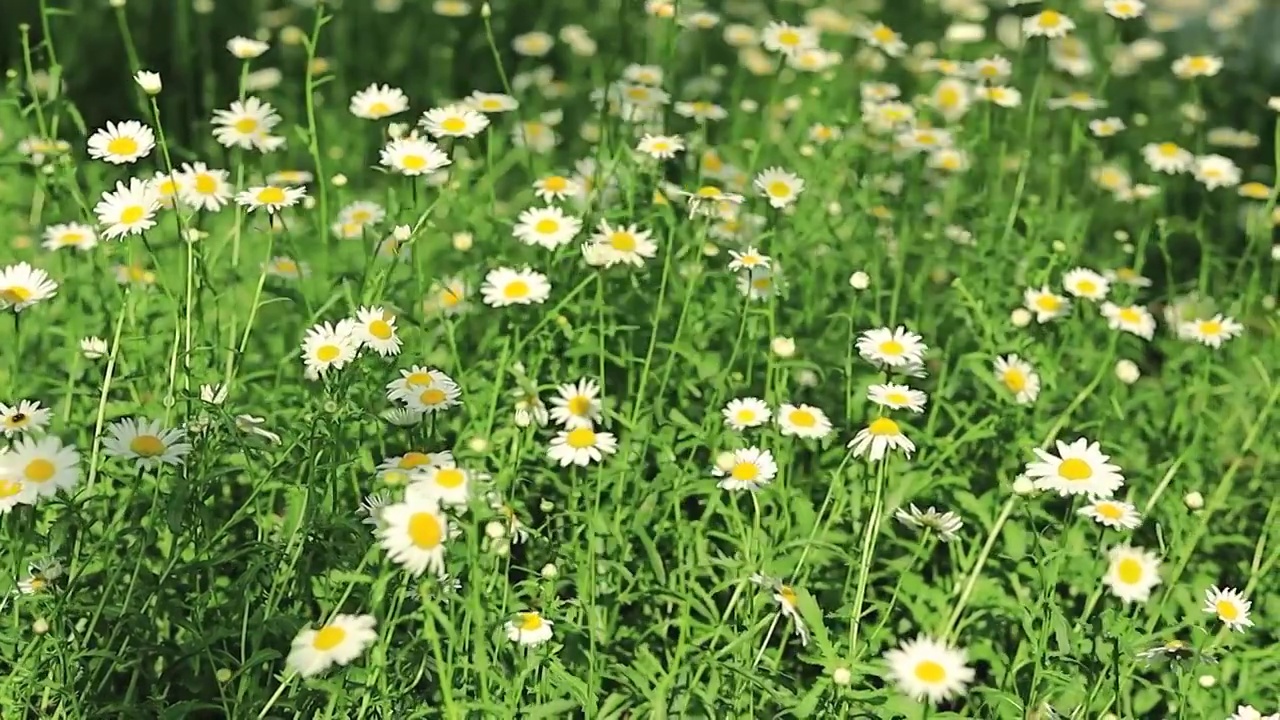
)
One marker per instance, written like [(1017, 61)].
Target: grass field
[(634, 359)]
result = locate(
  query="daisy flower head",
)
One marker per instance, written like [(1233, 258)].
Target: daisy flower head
[(1216, 171), (760, 283), (128, 210), (1079, 468), (1048, 23), (781, 187), (272, 198), (1132, 573), (746, 469), (437, 397), (122, 143), (1230, 606), (35, 468), (454, 121), (884, 38), (581, 446), (146, 442), (749, 259), (1194, 66), (660, 147), (25, 417), (22, 286), (1045, 303), (781, 37), (624, 244), (415, 380), (450, 486), (1124, 9), (399, 470), (414, 533), (945, 524), (244, 48), (1168, 158), (548, 227), (528, 628), (246, 124), (503, 287), (803, 421), (1211, 331), (342, 640), (378, 101), (893, 348), (1019, 377), (41, 576), (447, 297), (897, 397), (555, 187), (577, 405), (375, 328), (878, 438), (1116, 514), (492, 103), (328, 348), (413, 156), (70, 235), (743, 413), (926, 669), (1134, 319), (203, 188), (1085, 283)]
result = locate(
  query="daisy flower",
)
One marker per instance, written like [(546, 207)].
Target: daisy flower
[(1124, 9), (22, 286), (1085, 283), (897, 397), (453, 121), (328, 348), (129, 210), (399, 470), (945, 524), (803, 421), (1080, 468), (548, 227), (413, 533), (1194, 66), (1133, 319), (743, 413), (40, 467), (577, 405), (245, 48), (884, 38), (781, 37), (339, 642), (504, 286), (270, 197), (491, 103), (1211, 331), (70, 235), (746, 469), (1132, 573), (413, 156), (1048, 23), (448, 297), (624, 244), (147, 442), (1045, 303), (1215, 171), (528, 628), (749, 259), (27, 416), (660, 147), (1112, 513), (1230, 606), (1168, 158), (1019, 378), (877, 439), (415, 380), (581, 446), (245, 124), (203, 188), (122, 143), (781, 187), (449, 486), (378, 101), (926, 669), (376, 328), (894, 348), (434, 398), (555, 187)]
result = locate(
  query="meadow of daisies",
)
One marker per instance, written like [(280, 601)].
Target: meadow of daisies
[(387, 359)]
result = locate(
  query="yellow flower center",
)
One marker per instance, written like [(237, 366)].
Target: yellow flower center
[(420, 379), (381, 329), (205, 184), (1130, 315), (1050, 19), (147, 446), (327, 353), (516, 289), (328, 638), (555, 183), (789, 38), (413, 162), (246, 125), (708, 191), (1047, 303), (1210, 327), (379, 108), (39, 470), (1110, 511), (1227, 610), (581, 438), (15, 294), (897, 398), (411, 460), (450, 478), (928, 671), (1087, 287), (530, 622), (1168, 149), (122, 146), (883, 34), (948, 97), (546, 226), (1129, 571), (892, 347), (623, 241), (1015, 380), (9, 488), (271, 196), (132, 214), (579, 405), (432, 396), (1075, 469), (788, 595), (883, 427), (803, 418), (453, 124), (745, 471), (777, 188), (425, 531), (286, 266)]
